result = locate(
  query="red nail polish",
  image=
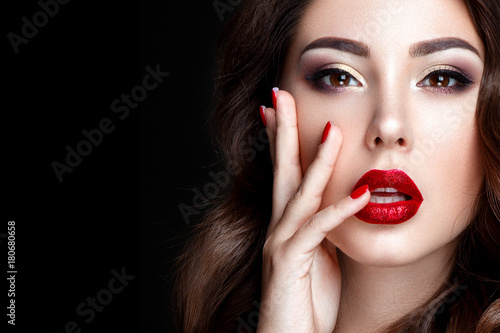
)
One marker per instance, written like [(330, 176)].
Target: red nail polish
[(325, 131), (262, 114), (359, 192), (275, 89)]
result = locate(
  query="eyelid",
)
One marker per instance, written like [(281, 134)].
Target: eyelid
[(435, 68), (462, 80), (343, 67)]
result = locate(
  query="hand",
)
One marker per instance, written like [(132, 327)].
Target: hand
[(301, 276)]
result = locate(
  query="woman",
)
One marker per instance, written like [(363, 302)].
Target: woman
[(376, 207)]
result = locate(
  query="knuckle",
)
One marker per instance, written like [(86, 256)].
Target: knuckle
[(285, 166), (315, 195), (295, 200), (297, 197), (338, 210), (305, 194), (314, 222), (294, 160), (271, 253), (306, 201)]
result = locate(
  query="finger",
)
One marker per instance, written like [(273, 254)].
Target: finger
[(311, 233), (270, 115), (306, 201), (287, 170)]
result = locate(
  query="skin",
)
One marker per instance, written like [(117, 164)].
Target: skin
[(391, 117)]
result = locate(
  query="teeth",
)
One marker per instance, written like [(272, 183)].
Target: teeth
[(385, 189), (386, 199), (395, 198)]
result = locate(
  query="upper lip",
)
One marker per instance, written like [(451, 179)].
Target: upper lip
[(394, 178)]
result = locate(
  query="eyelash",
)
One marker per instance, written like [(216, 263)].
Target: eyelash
[(461, 79), (317, 79)]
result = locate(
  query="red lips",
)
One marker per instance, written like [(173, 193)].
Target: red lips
[(395, 212)]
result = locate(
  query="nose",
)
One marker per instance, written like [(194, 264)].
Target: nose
[(389, 127)]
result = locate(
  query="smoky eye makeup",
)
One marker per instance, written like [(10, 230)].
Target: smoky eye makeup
[(333, 78), (445, 80), (440, 79)]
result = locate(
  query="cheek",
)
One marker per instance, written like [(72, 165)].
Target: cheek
[(447, 149), (311, 123), (455, 172), (315, 109)]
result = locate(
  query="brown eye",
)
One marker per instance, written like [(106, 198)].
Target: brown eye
[(439, 80), (335, 79), (445, 81), (340, 80)]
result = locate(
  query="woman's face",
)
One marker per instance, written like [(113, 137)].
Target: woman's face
[(401, 81)]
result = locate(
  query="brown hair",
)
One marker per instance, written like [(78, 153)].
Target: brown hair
[(219, 272)]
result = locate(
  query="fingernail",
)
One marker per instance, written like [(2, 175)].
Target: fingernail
[(275, 90), (263, 114), (325, 131), (359, 192)]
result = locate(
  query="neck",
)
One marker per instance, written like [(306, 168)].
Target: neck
[(373, 297)]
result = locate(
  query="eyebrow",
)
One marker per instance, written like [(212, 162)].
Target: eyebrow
[(419, 49), (440, 44), (341, 44)]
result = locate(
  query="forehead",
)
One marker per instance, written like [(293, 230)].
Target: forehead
[(385, 26)]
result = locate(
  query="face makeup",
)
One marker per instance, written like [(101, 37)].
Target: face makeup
[(394, 197), (403, 92)]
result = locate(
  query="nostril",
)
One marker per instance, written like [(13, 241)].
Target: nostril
[(399, 141)]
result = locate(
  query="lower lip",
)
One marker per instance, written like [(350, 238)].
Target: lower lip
[(388, 213)]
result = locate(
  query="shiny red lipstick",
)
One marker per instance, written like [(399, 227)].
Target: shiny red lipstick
[(395, 185)]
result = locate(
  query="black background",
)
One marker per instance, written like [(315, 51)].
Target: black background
[(118, 209)]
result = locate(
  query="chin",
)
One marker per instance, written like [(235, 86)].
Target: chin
[(383, 245)]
